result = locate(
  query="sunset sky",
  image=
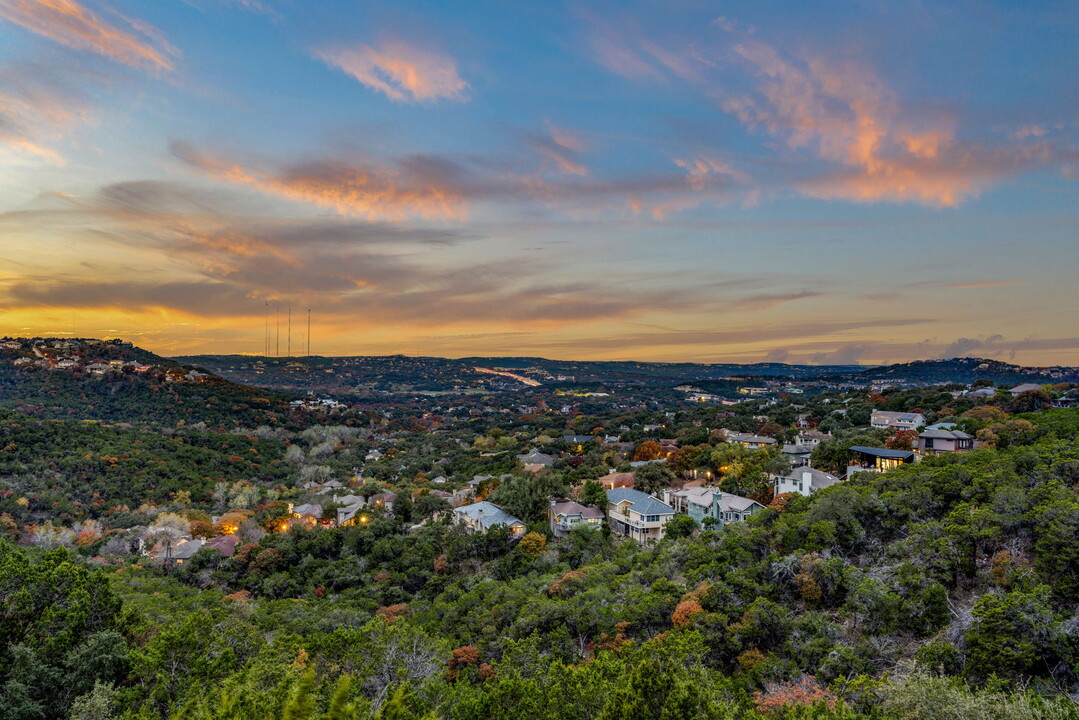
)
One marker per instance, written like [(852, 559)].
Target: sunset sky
[(678, 180)]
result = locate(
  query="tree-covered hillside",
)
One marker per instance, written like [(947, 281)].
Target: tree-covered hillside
[(938, 590)]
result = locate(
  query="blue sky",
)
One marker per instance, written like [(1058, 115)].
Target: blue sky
[(861, 181)]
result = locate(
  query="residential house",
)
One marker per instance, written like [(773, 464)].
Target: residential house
[(804, 481), (749, 440), (702, 503), (383, 500), (534, 460), (871, 459), (224, 544), (888, 420), (633, 514), (350, 506), (482, 516), (565, 515), (797, 454), (310, 514), (614, 480), (1024, 387), (813, 437), (937, 440)]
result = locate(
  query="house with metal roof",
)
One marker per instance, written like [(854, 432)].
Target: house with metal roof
[(482, 516), (871, 459), (634, 514)]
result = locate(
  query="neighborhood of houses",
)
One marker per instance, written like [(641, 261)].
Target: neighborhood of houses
[(629, 512)]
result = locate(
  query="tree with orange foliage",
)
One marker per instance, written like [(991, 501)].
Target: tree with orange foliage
[(902, 440), (804, 691), (648, 450), (390, 613), (684, 612)]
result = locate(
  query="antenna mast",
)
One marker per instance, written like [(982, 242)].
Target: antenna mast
[(288, 346), (308, 332), (277, 309)]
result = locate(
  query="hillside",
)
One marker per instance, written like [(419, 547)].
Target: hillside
[(113, 381), (966, 370)]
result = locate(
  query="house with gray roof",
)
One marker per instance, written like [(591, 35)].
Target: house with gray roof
[(804, 481), (889, 420), (565, 515), (634, 514), (937, 440), (701, 503), (482, 516)]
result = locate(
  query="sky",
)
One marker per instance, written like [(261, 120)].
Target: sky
[(834, 182)]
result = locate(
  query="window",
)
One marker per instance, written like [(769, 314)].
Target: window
[(928, 443), (651, 518)]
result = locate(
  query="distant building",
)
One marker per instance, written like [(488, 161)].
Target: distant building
[(1024, 387), (749, 440)]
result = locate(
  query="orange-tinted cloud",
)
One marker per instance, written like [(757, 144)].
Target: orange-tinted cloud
[(846, 115), (36, 108), (401, 71), (421, 187), (988, 284), (69, 23)]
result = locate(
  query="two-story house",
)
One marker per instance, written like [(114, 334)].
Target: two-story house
[(482, 516), (636, 515), (804, 481), (565, 515), (937, 440), (889, 420), (703, 502)]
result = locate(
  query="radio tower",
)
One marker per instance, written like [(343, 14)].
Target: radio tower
[(266, 334), (308, 332), (288, 346), (277, 309)]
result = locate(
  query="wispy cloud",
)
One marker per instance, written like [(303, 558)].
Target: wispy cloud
[(38, 106), (402, 71), (848, 135), (126, 40), (985, 284), (434, 186)]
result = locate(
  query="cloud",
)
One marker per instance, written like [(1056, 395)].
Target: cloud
[(845, 114), (986, 284), (433, 186), (563, 148), (130, 41), (403, 72), (847, 133), (39, 104), (419, 185), (224, 263)]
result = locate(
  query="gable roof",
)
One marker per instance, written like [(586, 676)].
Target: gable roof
[(942, 434), (570, 507), (641, 503), (487, 515)]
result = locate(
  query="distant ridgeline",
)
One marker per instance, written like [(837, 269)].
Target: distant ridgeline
[(114, 381)]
